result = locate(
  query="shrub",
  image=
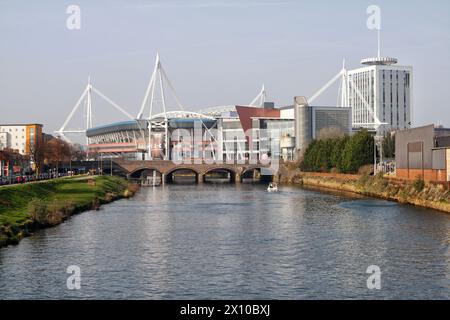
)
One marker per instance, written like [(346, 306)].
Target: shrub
[(51, 213), (347, 154), (366, 169), (317, 156), (357, 152), (38, 210), (337, 153), (419, 184), (363, 180), (95, 204)]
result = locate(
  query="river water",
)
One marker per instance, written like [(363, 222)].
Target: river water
[(235, 242)]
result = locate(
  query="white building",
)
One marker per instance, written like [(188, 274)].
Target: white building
[(380, 95), (20, 137), (3, 140)]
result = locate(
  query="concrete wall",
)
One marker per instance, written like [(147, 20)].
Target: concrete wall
[(426, 174), (413, 148), (448, 164), (416, 155)]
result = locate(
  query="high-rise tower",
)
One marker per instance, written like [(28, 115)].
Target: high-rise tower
[(380, 95)]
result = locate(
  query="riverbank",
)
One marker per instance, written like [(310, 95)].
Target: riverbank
[(28, 207), (416, 193)]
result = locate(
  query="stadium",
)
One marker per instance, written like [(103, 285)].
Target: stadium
[(220, 133)]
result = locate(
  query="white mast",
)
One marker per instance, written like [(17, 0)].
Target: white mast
[(158, 75), (260, 98), (86, 99)]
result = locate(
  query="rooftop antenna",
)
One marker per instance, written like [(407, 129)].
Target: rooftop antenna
[(374, 22), (379, 40)]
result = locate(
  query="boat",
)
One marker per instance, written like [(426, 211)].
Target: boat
[(272, 188)]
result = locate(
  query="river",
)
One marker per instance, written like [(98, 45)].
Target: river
[(226, 241)]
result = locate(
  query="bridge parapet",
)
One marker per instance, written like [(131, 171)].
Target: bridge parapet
[(166, 168)]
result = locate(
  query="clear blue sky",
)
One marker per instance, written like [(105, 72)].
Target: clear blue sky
[(215, 52)]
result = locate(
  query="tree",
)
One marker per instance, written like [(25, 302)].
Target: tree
[(337, 152), (318, 155), (309, 157), (77, 152), (347, 154), (57, 150), (358, 151), (330, 133), (37, 155)]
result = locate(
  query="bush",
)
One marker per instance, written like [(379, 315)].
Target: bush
[(337, 153), (363, 180), (366, 169), (317, 156), (52, 213), (358, 151), (38, 210), (347, 154), (419, 184)]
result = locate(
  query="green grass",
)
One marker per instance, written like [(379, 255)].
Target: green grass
[(14, 199)]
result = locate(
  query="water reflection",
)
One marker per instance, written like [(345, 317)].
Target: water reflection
[(235, 241)]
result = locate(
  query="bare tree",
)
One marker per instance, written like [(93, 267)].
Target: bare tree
[(56, 151), (78, 152), (330, 133), (37, 155)]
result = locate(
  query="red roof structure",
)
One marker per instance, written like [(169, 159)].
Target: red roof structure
[(247, 113)]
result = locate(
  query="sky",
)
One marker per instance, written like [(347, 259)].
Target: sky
[(215, 52)]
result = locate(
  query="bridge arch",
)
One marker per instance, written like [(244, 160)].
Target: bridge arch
[(219, 171), (142, 172), (169, 175), (258, 173)]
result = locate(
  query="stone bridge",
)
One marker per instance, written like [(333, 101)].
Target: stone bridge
[(134, 169)]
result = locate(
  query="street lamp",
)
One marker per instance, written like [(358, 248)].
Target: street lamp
[(377, 144)]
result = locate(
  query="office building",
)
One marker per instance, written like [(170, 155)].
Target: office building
[(380, 95), (311, 122)]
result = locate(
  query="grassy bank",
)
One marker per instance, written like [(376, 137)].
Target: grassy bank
[(413, 192), (25, 208)]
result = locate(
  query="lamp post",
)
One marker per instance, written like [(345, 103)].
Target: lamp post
[(378, 144)]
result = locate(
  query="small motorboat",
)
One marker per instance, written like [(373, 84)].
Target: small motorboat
[(272, 188)]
